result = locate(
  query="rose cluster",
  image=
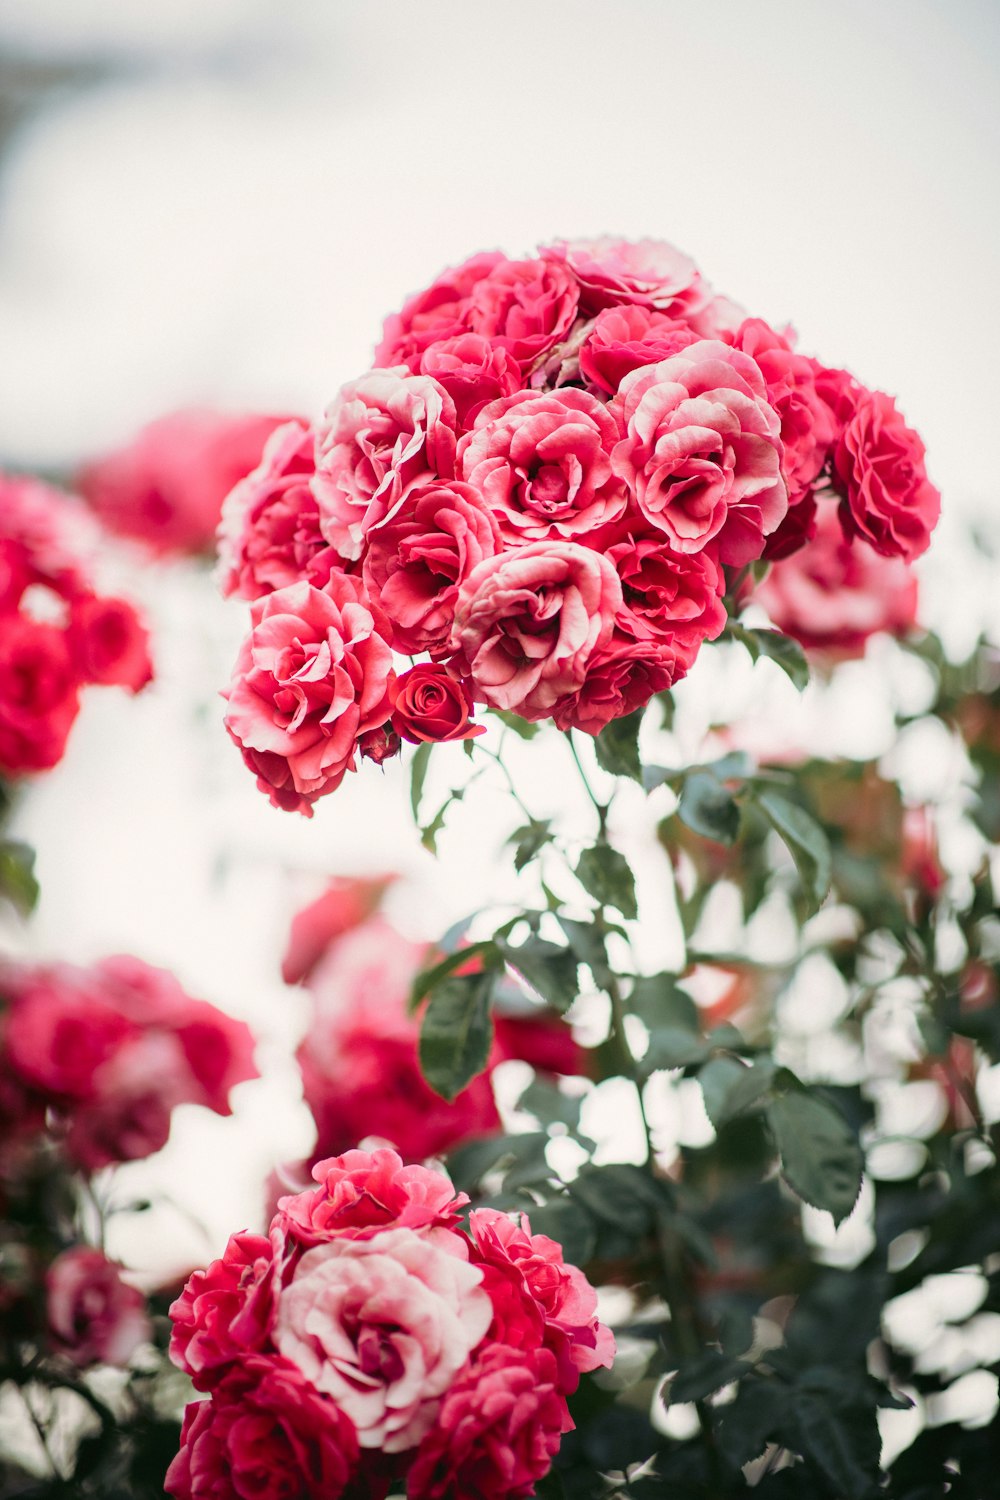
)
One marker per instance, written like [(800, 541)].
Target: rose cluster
[(545, 489), (369, 1339), (98, 1057), (57, 632)]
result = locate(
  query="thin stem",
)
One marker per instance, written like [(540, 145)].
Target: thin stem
[(43, 1436), (496, 756), (602, 811)]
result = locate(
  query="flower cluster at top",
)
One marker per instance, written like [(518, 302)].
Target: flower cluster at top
[(546, 487), (96, 1058), (57, 633), (370, 1338)]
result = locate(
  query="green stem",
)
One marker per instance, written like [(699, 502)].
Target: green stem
[(601, 809), (496, 756)]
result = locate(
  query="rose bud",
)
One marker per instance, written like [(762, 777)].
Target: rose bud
[(428, 704), (380, 744)]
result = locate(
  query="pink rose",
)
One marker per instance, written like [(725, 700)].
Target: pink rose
[(60, 1030), (93, 1316), (622, 676), (565, 1297), (497, 1432), (878, 467), (525, 307), (621, 339), (46, 536), (429, 704), (109, 643), (675, 595), (265, 1434), (528, 622), (835, 593), (362, 1193), (650, 273), (310, 678), (807, 426), (225, 1311), (702, 451), (382, 1326), (135, 1092), (543, 464), (269, 534), (415, 563), (345, 904), (39, 698), (440, 312), (473, 370), (542, 1039), (383, 434)]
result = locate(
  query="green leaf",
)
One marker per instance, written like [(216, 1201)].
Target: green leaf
[(549, 969), (708, 808), (605, 875), (671, 1017), (620, 1195), (550, 1105), (839, 1434), (429, 979), (781, 649), (699, 1377), (528, 840), (522, 727), (587, 941), (569, 1225), (17, 875), (457, 1032), (730, 1088), (418, 774), (806, 841), (820, 1156), (617, 746), (469, 1163)]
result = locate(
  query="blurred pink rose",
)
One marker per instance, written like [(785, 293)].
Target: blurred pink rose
[(109, 643), (878, 467), (93, 1316), (60, 1029), (344, 905), (39, 698)]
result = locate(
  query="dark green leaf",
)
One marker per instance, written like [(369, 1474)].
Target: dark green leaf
[(671, 1017), (587, 941), (731, 1091), (418, 773), (708, 808), (468, 1164), (457, 1032), (717, 1077), (840, 1436), (617, 746), (550, 1105), (569, 1225), (820, 1156), (549, 969), (807, 843), (745, 1426), (429, 979), (781, 649), (528, 840), (620, 1195), (17, 875), (699, 1377), (605, 875)]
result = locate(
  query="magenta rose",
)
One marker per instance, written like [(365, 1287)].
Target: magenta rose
[(310, 678), (528, 622), (807, 426), (93, 1316), (878, 467), (225, 1311), (39, 698), (415, 563), (362, 1193), (265, 1434), (621, 339), (269, 534), (542, 462), (382, 1326), (438, 313), (473, 370), (499, 1428), (109, 643), (429, 704), (702, 451), (46, 536), (383, 434), (128, 1117), (525, 307)]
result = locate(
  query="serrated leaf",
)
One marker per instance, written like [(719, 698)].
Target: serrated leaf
[(708, 808), (418, 775), (734, 1091), (528, 840), (617, 746), (841, 1437), (786, 654), (605, 874), (17, 875), (456, 1033), (549, 969), (429, 979), (699, 1377), (806, 841), (821, 1159), (522, 727)]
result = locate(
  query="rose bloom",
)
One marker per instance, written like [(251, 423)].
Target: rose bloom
[(543, 464), (473, 370), (382, 1326), (345, 904), (807, 425), (438, 313), (497, 1432), (39, 697), (649, 273), (878, 467), (429, 704), (269, 534), (166, 486), (59, 1029), (702, 451), (622, 676), (525, 307), (46, 536), (382, 434), (109, 643), (528, 622), (676, 595), (362, 1193), (415, 563), (93, 1316), (265, 1434), (621, 339), (310, 678), (834, 594), (225, 1311)]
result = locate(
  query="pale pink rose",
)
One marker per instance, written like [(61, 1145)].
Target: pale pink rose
[(382, 1326), (440, 312), (648, 272), (807, 426), (834, 593), (269, 534), (345, 904), (542, 462), (415, 563), (362, 1193), (621, 339), (473, 370), (623, 675), (525, 307), (497, 1432), (878, 467), (224, 1311), (93, 1316), (702, 451), (528, 622), (383, 434), (310, 678)]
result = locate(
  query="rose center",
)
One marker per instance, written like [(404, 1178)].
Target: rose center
[(378, 1355)]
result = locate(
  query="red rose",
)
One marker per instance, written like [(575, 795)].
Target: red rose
[(878, 467), (93, 1316), (428, 704)]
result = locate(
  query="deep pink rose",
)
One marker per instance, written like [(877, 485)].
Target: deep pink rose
[(650, 273), (109, 643), (383, 434), (93, 1316), (60, 1030), (440, 312), (878, 467), (567, 1301), (39, 697), (167, 485), (528, 622), (543, 464), (623, 675), (525, 307), (225, 1311), (621, 339), (807, 425), (310, 678), (473, 369), (135, 1092), (265, 1434), (218, 1051), (542, 1039), (429, 704), (673, 595), (345, 904), (382, 1326), (362, 1193), (46, 537), (269, 534), (415, 563), (702, 451), (499, 1428), (835, 593)]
